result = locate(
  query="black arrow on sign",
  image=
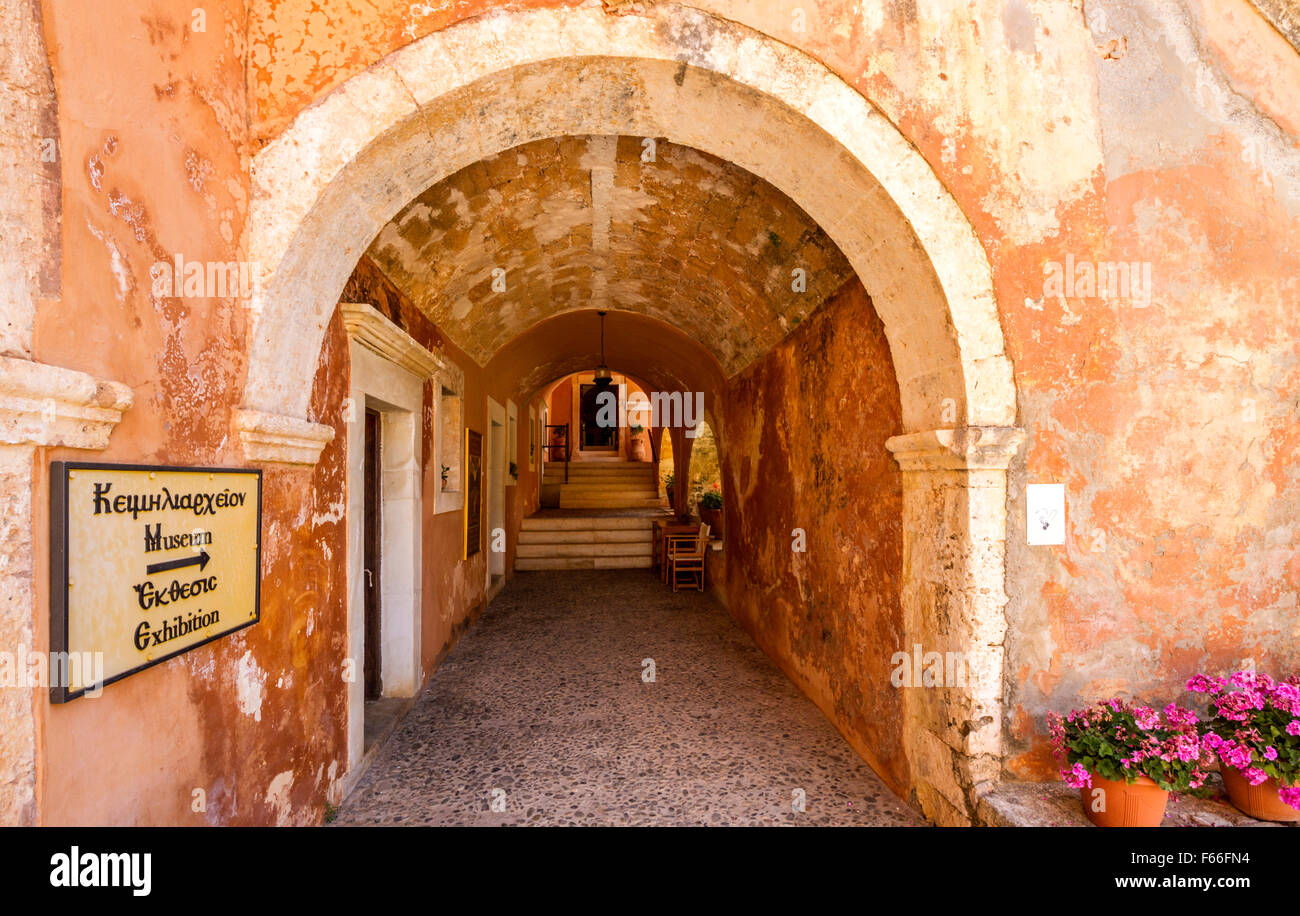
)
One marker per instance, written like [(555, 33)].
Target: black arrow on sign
[(201, 560)]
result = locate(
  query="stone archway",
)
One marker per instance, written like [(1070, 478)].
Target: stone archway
[(329, 182)]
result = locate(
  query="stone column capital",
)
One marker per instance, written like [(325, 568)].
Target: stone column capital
[(43, 405), (281, 439), (965, 448)]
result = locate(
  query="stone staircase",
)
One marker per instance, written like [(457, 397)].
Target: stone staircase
[(584, 542), (603, 521), (605, 485)]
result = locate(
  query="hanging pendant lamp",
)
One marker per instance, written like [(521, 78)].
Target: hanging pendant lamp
[(603, 376)]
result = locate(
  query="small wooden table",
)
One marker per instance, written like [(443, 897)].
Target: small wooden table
[(663, 527)]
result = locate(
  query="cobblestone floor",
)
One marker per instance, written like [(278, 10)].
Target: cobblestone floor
[(543, 699)]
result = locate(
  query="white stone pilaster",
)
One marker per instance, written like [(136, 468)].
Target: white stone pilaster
[(954, 596), (40, 405)]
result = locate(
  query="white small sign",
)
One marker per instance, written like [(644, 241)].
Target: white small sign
[(1045, 508)]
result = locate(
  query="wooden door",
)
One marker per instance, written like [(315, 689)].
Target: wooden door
[(373, 525), (595, 436)]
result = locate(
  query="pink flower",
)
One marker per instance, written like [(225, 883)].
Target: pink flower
[(1293, 727), (1243, 679), (1254, 775), (1236, 755), (1270, 753), (1146, 718), (1290, 795), (1076, 777), (1178, 716), (1202, 684)]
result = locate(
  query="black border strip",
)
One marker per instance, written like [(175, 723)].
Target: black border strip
[(59, 561)]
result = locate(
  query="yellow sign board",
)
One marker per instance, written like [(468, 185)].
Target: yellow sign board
[(147, 563)]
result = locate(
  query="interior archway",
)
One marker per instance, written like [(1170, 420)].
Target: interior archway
[(325, 189)]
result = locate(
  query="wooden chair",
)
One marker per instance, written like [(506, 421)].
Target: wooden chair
[(663, 531), (686, 556)]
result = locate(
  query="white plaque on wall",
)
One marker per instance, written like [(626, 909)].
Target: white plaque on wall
[(1045, 508)]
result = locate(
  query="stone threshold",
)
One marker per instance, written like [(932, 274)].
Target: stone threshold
[(1054, 804)]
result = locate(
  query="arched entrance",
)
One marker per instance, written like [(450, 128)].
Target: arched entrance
[(325, 187)]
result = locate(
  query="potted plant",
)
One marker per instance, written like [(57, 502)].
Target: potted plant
[(1126, 759), (710, 506), (445, 470), (670, 489), (1254, 728), (635, 442)]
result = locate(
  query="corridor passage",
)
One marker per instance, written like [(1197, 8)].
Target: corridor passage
[(544, 700)]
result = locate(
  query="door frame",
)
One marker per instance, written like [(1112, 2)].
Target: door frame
[(398, 395)]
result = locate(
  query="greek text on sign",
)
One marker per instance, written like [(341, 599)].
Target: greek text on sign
[(149, 562)]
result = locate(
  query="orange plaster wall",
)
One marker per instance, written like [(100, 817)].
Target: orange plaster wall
[(829, 615), (153, 161)]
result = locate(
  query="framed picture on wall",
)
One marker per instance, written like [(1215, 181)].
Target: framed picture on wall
[(532, 439), (473, 492)]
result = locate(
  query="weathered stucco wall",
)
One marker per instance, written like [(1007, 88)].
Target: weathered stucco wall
[(804, 451), (1155, 132), (153, 162), (1170, 416), (154, 168)]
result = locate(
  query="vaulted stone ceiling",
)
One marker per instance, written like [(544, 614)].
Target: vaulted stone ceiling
[(582, 223)]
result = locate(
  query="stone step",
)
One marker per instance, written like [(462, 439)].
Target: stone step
[(1042, 804), (592, 522), (602, 469), (540, 551), (647, 479), (584, 536), (609, 463), (536, 563), (596, 480), (609, 502), (607, 489)]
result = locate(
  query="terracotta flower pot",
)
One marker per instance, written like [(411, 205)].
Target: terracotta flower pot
[(712, 518), (1139, 804), (1261, 801)]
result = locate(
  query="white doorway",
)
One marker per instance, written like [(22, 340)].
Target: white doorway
[(387, 401)]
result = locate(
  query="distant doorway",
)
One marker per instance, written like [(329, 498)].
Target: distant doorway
[(598, 437)]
